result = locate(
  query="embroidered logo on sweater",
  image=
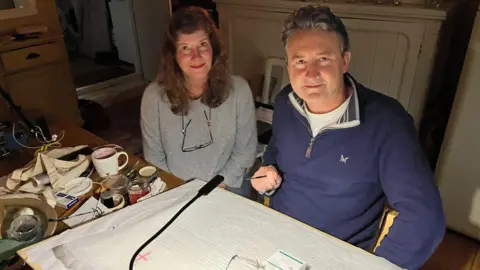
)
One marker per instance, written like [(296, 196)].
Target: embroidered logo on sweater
[(343, 159)]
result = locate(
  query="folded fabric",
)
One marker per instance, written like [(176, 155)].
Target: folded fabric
[(46, 173)]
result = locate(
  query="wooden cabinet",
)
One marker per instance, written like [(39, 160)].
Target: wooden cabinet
[(385, 56), (30, 57), (36, 72), (393, 47), (46, 91), (38, 79)]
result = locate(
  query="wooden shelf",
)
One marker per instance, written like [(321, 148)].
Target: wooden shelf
[(7, 45)]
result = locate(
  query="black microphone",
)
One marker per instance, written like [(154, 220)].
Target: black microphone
[(18, 110), (205, 190), (210, 185)]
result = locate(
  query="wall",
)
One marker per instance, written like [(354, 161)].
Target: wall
[(458, 171), (6, 4), (123, 34), (393, 48), (454, 38)]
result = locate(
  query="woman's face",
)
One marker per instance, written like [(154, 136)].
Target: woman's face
[(194, 55)]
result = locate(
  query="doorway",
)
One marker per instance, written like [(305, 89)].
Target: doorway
[(208, 5), (114, 48), (100, 40)]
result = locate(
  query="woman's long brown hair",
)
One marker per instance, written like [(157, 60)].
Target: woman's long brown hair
[(187, 21)]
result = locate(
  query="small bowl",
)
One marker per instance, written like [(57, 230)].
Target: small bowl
[(24, 228), (147, 171)]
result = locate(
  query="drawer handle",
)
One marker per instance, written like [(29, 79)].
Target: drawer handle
[(32, 56)]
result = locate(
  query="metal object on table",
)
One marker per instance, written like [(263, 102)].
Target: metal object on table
[(152, 178), (131, 172)]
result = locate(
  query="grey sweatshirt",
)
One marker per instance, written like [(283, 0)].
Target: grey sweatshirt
[(233, 128)]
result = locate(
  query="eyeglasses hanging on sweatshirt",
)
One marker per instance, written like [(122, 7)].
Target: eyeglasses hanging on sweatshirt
[(184, 132)]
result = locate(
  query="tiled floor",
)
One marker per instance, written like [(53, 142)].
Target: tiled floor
[(456, 252)]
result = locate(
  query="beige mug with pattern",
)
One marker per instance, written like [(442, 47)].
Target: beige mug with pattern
[(106, 160)]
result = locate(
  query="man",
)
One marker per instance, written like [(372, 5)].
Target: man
[(340, 152)]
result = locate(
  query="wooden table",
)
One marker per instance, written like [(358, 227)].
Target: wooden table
[(74, 136)]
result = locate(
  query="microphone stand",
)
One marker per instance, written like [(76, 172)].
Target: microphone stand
[(31, 128), (205, 190)]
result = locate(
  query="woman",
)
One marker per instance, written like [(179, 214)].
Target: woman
[(198, 120)]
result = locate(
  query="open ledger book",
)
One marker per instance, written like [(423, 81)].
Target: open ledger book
[(206, 236)]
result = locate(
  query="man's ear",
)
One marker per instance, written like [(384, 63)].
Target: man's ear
[(346, 61)]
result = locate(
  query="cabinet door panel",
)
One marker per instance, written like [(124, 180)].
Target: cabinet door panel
[(384, 53), (254, 37), (47, 91)]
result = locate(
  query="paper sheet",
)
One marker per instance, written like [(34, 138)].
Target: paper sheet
[(91, 209), (205, 236)]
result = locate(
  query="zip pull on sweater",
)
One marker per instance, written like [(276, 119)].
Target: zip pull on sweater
[(317, 123), (309, 148)]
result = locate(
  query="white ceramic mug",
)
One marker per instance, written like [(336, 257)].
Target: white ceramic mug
[(105, 160)]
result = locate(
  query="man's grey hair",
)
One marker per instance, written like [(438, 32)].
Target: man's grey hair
[(315, 18)]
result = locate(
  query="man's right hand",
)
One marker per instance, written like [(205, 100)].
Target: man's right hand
[(271, 181)]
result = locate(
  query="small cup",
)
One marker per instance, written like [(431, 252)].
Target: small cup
[(105, 160), (107, 199), (137, 189), (118, 184), (24, 228)]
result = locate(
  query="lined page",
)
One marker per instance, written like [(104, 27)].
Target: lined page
[(206, 236)]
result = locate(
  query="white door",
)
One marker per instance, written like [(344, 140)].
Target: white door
[(151, 18), (457, 172)]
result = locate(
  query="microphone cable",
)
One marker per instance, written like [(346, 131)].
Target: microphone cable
[(205, 190)]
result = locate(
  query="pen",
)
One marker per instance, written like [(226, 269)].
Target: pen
[(256, 177), (248, 179)]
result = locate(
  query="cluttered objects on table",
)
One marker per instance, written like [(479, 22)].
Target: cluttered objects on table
[(82, 183), (23, 221), (116, 185)]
